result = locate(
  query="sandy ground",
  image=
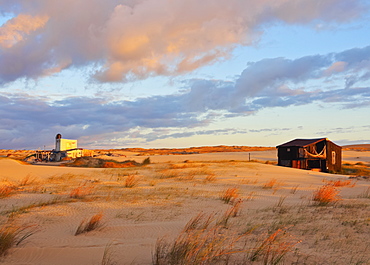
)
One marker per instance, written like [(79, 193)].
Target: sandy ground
[(168, 193)]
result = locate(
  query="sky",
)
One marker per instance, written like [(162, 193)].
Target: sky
[(175, 73)]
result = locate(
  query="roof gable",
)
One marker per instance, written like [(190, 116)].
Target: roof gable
[(302, 142)]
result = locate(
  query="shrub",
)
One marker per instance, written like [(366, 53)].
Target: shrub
[(93, 224), (146, 161)]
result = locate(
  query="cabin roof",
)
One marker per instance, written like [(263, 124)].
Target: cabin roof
[(302, 142)]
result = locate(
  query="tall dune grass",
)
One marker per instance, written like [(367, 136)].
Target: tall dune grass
[(229, 195), (93, 224), (12, 235)]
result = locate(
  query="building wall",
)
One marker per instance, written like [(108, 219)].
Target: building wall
[(334, 157), (65, 144)]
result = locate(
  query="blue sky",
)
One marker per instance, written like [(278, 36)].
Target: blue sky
[(171, 73)]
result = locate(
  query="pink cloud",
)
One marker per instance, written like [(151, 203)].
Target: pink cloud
[(134, 39), (17, 29)]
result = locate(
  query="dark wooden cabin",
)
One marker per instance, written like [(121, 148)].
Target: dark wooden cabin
[(320, 154)]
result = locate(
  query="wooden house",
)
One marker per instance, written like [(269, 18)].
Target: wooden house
[(314, 154)]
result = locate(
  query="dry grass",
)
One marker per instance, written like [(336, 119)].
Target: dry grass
[(27, 180), (93, 224), (229, 195), (270, 184), (200, 221), (273, 248), (341, 183), (179, 166), (23, 209), (325, 195), (204, 242), (131, 181), (200, 171), (7, 190), (233, 211), (81, 192), (107, 256), (167, 174), (210, 178), (64, 177), (101, 163), (12, 235), (187, 178), (365, 194), (294, 189), (199, 243), (356, 170)]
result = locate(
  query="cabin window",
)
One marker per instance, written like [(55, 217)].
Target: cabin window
[(301, 152), (288, 149), (333, 157)]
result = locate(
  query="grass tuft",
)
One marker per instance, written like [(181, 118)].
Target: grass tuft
[(294, 189), (325, 195), (210, 178), (233, 211), (80, 192), (230, 195), (27, 180), (107, 256), (87, 226), (7, 190), (273, 248), (12, 235), (270, 184), (131, 181), (341, 183), (199, 222)]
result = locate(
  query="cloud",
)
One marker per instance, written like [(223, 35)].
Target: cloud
[(134, 39), (17, 29), (269, 83)]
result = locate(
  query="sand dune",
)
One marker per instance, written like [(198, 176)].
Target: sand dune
[(169, 192)]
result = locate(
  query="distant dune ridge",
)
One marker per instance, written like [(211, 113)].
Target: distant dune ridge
[(21, 154)]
